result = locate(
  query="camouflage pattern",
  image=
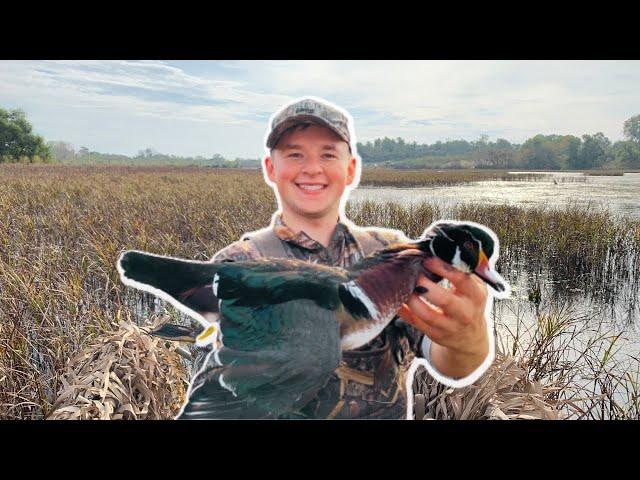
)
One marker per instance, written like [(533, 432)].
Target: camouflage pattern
[(308, 110), (370, 382)]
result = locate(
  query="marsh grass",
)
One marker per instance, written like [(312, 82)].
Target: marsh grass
[(63, 227), (575, 247), (578, 357), (561, 367)]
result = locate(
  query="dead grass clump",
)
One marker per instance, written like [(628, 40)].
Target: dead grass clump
[(124, 375), (502, 393)]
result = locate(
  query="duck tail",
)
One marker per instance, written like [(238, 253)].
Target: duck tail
[(171, 275), (184, 283)]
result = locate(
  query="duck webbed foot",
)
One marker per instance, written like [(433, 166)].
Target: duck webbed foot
[(175, 333)]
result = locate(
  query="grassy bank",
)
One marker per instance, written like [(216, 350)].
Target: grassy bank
[(62, 229), (381, 177)]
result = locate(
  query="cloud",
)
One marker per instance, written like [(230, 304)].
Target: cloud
[(197, 108)]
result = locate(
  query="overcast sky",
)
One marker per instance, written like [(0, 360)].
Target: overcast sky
[(204, 107)]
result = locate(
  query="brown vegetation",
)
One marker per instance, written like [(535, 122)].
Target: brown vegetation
[(62, 229)]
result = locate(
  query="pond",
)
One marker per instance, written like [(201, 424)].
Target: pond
[(621, 194), (537, 291)]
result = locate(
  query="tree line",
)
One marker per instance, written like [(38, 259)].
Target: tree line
[(18, 143), (550, 152), (64, 152)]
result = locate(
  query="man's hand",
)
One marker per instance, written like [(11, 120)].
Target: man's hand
[(453, 319)]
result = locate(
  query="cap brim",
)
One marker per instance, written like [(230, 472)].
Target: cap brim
[(276, 133)]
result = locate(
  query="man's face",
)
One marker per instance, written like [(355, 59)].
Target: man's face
[(311, 167)]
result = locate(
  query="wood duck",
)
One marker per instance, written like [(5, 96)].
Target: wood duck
[(277, 327)]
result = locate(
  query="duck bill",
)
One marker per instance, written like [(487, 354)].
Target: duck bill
[(486, 273)]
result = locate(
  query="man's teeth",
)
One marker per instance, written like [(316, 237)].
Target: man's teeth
[(311, 187)]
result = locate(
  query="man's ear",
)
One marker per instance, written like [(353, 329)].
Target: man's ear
[(268, 165), (351, 171)]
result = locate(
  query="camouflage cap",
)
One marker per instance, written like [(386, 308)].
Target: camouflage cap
[(308, 110)]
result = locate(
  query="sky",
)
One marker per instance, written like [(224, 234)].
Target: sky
[(192, 108)]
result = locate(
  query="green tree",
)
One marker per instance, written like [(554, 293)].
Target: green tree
[(626, 154), (539, 152), (631, 129), (17, 140), (500, 154), (550, 152), (217, 160), (147, 153), (594, 150)]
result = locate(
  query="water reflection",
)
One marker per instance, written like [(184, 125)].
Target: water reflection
[(616, 297), (621, 194)]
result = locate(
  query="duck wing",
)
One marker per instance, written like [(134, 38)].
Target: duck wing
[(199, 286), (276, 373), (255, 283)]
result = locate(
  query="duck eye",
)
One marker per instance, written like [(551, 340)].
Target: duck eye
[(469, 245)]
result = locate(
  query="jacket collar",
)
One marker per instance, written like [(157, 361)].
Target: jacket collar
[(301, 239)]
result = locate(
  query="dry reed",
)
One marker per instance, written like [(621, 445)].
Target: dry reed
[(63, 227)]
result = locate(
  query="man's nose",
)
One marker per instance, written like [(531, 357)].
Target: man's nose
[(312, 166)]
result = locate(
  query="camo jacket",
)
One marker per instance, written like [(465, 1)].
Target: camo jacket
[(370, 381)]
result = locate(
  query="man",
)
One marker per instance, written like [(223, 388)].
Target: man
[(312, 165)]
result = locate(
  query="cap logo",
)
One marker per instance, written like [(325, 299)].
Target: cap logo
[(304, 110)]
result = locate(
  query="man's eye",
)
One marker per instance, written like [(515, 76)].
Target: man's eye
[(329, 156)]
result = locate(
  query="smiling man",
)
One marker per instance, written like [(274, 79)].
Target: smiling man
[(312, 165)]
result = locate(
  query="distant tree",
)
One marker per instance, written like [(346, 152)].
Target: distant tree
[(217, 160), (483, 141), (574, 152), (631, 129), (626, 154), (499, 155), (594, 150), (502, 144), (247, 162), (147, 153), (83, 152), (550, 152), (539, 152), (17, 140), (62, 151)]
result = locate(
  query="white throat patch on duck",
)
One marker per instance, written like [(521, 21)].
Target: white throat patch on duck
[(458, 263)]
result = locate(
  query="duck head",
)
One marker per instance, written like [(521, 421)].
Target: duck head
[(467, 246)]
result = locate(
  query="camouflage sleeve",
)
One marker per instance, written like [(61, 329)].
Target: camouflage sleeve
[(387, 236), (415, 337), (238, 251)]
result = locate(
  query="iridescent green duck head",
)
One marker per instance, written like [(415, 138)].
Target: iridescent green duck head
[(467, 246)]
